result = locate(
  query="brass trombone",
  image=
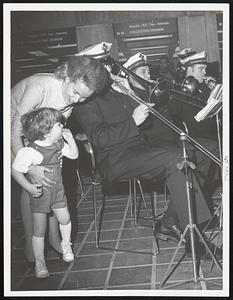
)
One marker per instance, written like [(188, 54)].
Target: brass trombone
[(147, 85)]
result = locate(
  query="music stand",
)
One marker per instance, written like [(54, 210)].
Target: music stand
[(187, 167), (213, 108)]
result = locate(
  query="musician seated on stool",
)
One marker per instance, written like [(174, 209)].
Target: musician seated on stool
[(195, 66), (112, 122), (158, 133)]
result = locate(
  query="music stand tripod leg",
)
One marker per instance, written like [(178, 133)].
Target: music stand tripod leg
[(187, 166), (168, 272)]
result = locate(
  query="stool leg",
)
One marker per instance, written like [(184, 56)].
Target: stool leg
[(135, 201), (154, 200), (80, 182), (165, 194), (143, 198), (95, 214), (101, 219), (131, 198)]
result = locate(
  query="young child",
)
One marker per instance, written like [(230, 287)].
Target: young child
[(48, 141)]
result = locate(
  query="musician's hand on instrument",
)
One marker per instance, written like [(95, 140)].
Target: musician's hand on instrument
[(122, 81), (154, 81), (210, 81), (141, 112)]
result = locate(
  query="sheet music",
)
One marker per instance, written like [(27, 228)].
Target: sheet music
[(214, 104)]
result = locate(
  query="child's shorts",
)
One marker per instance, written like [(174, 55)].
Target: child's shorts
[(52, 199)]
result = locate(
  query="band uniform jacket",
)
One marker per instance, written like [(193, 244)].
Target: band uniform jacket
[(107, 121)]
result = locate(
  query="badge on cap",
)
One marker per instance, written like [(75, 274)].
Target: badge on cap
[(181, 54), (97, 51), (135, 61), (197, 58)]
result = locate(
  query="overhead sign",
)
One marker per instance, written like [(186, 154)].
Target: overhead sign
[(45, 37), (139, 28)]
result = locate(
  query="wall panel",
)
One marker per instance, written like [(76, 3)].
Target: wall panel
[(37, 20), (197, 33)]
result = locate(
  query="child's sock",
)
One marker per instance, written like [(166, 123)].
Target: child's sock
[(38, 246), (68, 255), (41, 270), (65, 231)]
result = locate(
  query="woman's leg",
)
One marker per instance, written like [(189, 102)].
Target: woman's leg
[(27, 223), (70, 185), (54, 234)]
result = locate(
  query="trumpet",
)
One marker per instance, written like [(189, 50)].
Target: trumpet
[(132, 95)]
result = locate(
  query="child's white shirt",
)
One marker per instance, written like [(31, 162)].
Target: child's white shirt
[(28, 156)]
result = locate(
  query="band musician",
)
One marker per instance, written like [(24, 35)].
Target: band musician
[(112, 121)]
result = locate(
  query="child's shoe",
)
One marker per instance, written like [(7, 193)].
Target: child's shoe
[(41, 270), (68, 255)]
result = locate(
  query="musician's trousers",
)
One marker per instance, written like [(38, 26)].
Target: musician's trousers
[(158, 163)]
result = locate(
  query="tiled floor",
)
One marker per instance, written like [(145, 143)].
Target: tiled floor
[(105, 269)]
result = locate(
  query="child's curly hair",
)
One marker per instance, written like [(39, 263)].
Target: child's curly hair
[(39, 122)]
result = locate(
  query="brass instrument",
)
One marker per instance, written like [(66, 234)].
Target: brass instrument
[(159, 116), (148, 86), (182, 91)]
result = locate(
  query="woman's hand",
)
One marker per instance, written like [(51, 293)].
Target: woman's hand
[(35, 189), (140, 113), (37, 175)]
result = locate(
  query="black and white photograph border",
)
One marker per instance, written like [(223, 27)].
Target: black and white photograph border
[(13, 229)]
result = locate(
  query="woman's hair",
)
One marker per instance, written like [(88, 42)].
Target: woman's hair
[(39, 122), (84, 68)]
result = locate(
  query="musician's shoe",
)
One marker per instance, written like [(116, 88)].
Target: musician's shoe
[(169, 233), (202, 252)]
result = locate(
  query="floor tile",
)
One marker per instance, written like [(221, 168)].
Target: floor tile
[(19, 268), (130, 275), (31, 283), (131, 259), (136, 232), (183, 271), (214, 284), (182, 285), (82, 279), (92, 262), (89, 248), (210, 270), (139, 244), (166, 255)]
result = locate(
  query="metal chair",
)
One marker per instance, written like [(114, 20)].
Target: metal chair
[(135, 189)]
